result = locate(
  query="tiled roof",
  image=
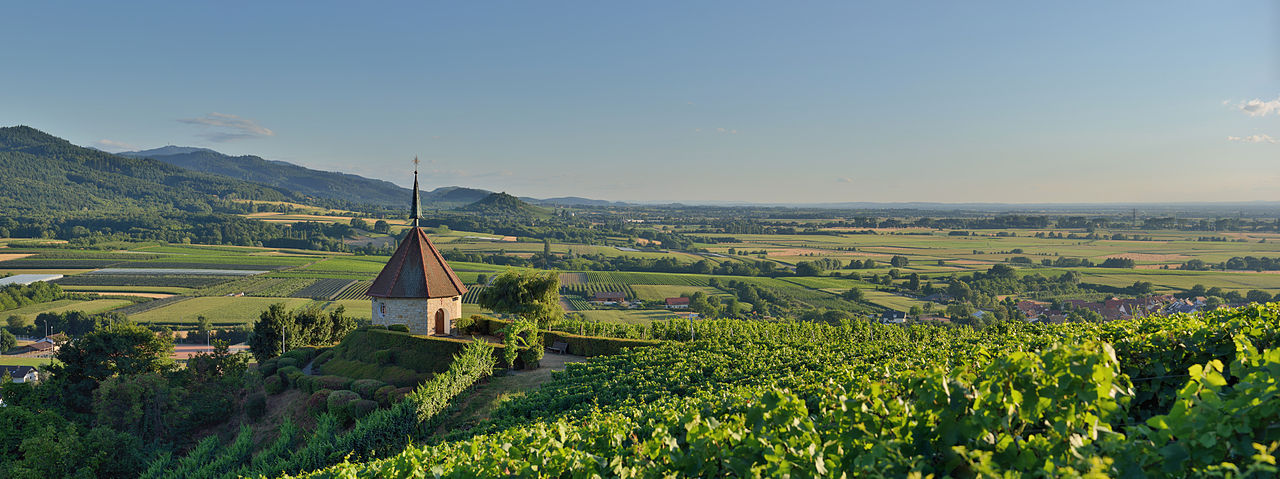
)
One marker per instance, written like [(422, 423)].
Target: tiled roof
[(416, 270)]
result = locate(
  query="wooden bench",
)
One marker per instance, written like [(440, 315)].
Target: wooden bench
[(558, 347)]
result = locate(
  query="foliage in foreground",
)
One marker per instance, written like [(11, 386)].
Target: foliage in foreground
[(1156, 397)]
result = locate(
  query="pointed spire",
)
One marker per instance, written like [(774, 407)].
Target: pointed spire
[(415, 213)]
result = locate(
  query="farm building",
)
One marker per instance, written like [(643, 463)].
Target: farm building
[(609, 297), (417, 288), (678, 303)]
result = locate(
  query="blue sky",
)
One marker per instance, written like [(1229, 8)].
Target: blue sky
[(682, 101)]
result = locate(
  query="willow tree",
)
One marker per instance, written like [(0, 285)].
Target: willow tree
[(531, 295)]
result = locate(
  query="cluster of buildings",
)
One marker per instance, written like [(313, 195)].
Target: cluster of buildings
[(1114, 308)]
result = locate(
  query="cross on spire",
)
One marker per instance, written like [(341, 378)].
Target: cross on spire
[(415, 212)]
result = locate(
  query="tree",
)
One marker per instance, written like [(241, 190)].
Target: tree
[(270, 332), (913, 283), (1253, 296), (808, 268), (898, 261), (204, 328), (360, 224), (381, 227), (111, 350), (853, 294), (7, 340), (531, 295)]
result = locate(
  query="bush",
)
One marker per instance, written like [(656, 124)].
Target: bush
[(384, 357), (398, 327), (268, 367), (383, 395), (335, 383), (255, 406), (284, 362), (339, 402), (593, 346), (361, 408), (366, 388), (324, 357), (290, 375), (307, 384), (400, 393), (273, 385), (318, 402)]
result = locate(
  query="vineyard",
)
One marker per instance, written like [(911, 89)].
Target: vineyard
[(184, 281), (589, 289), (1182, 396), (622, 277), (323, 288), (472, 296), (357, 290)]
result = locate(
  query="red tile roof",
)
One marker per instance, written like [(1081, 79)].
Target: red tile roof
[(677, 301), (416, 270)]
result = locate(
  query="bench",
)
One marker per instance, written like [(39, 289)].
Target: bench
[(558, 347)]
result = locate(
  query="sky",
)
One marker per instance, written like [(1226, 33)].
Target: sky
[(702, 101)]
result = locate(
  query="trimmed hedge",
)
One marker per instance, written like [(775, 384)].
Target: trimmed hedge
[(361, 408), (578, 345), (367, 387), (318, 402), (273, 385), (593, 345), (338, 402), (393, 357)]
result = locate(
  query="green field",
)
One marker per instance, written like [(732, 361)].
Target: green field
[(893, 301), (26, 361), (224, 311), (129, 289), (626, 316), (28, 313), (659, 292)]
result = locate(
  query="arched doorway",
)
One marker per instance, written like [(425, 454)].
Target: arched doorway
[(440, 322)]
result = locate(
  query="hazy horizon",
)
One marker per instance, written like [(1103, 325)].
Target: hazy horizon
[(714, 102)]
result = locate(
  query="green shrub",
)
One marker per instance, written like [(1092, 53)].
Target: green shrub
[(339, 402), (361, 408), (366, 388), (383, 395), (593, 346), (384, 357), (307, 384), (273, 385), (324, 357), (285, 362), (268, 367), (290, 375), (318, 402), (398, 327), (334, 382), (255, 406), (399, 394)]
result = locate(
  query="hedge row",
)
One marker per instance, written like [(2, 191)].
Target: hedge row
[(385, 431), (578, 345)]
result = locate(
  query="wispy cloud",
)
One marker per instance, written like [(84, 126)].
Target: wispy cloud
[(844, 179), (220, 127), (1253, 139), (114, 146), (1258, 107)]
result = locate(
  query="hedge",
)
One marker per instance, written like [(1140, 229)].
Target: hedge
[(393, 357), (338, 402), (593, 345)]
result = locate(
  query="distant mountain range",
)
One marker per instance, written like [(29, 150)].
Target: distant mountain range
[(326, 184), (44, 173), (502, 204)]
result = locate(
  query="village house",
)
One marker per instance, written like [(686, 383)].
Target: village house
[(20, 374), (678, 303)]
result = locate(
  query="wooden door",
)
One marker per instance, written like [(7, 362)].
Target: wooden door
[(440, 322)]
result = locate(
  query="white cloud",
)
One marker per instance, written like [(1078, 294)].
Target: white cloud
[(844, 179), (221, 127), (1253, 139), (114, 146), (1258, 107)]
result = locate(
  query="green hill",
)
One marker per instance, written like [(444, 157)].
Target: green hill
[(44, 173), (288, 176), (506, 205)]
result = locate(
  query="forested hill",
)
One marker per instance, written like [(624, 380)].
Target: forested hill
[(43, 173), (298, 179), (504, 204)]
